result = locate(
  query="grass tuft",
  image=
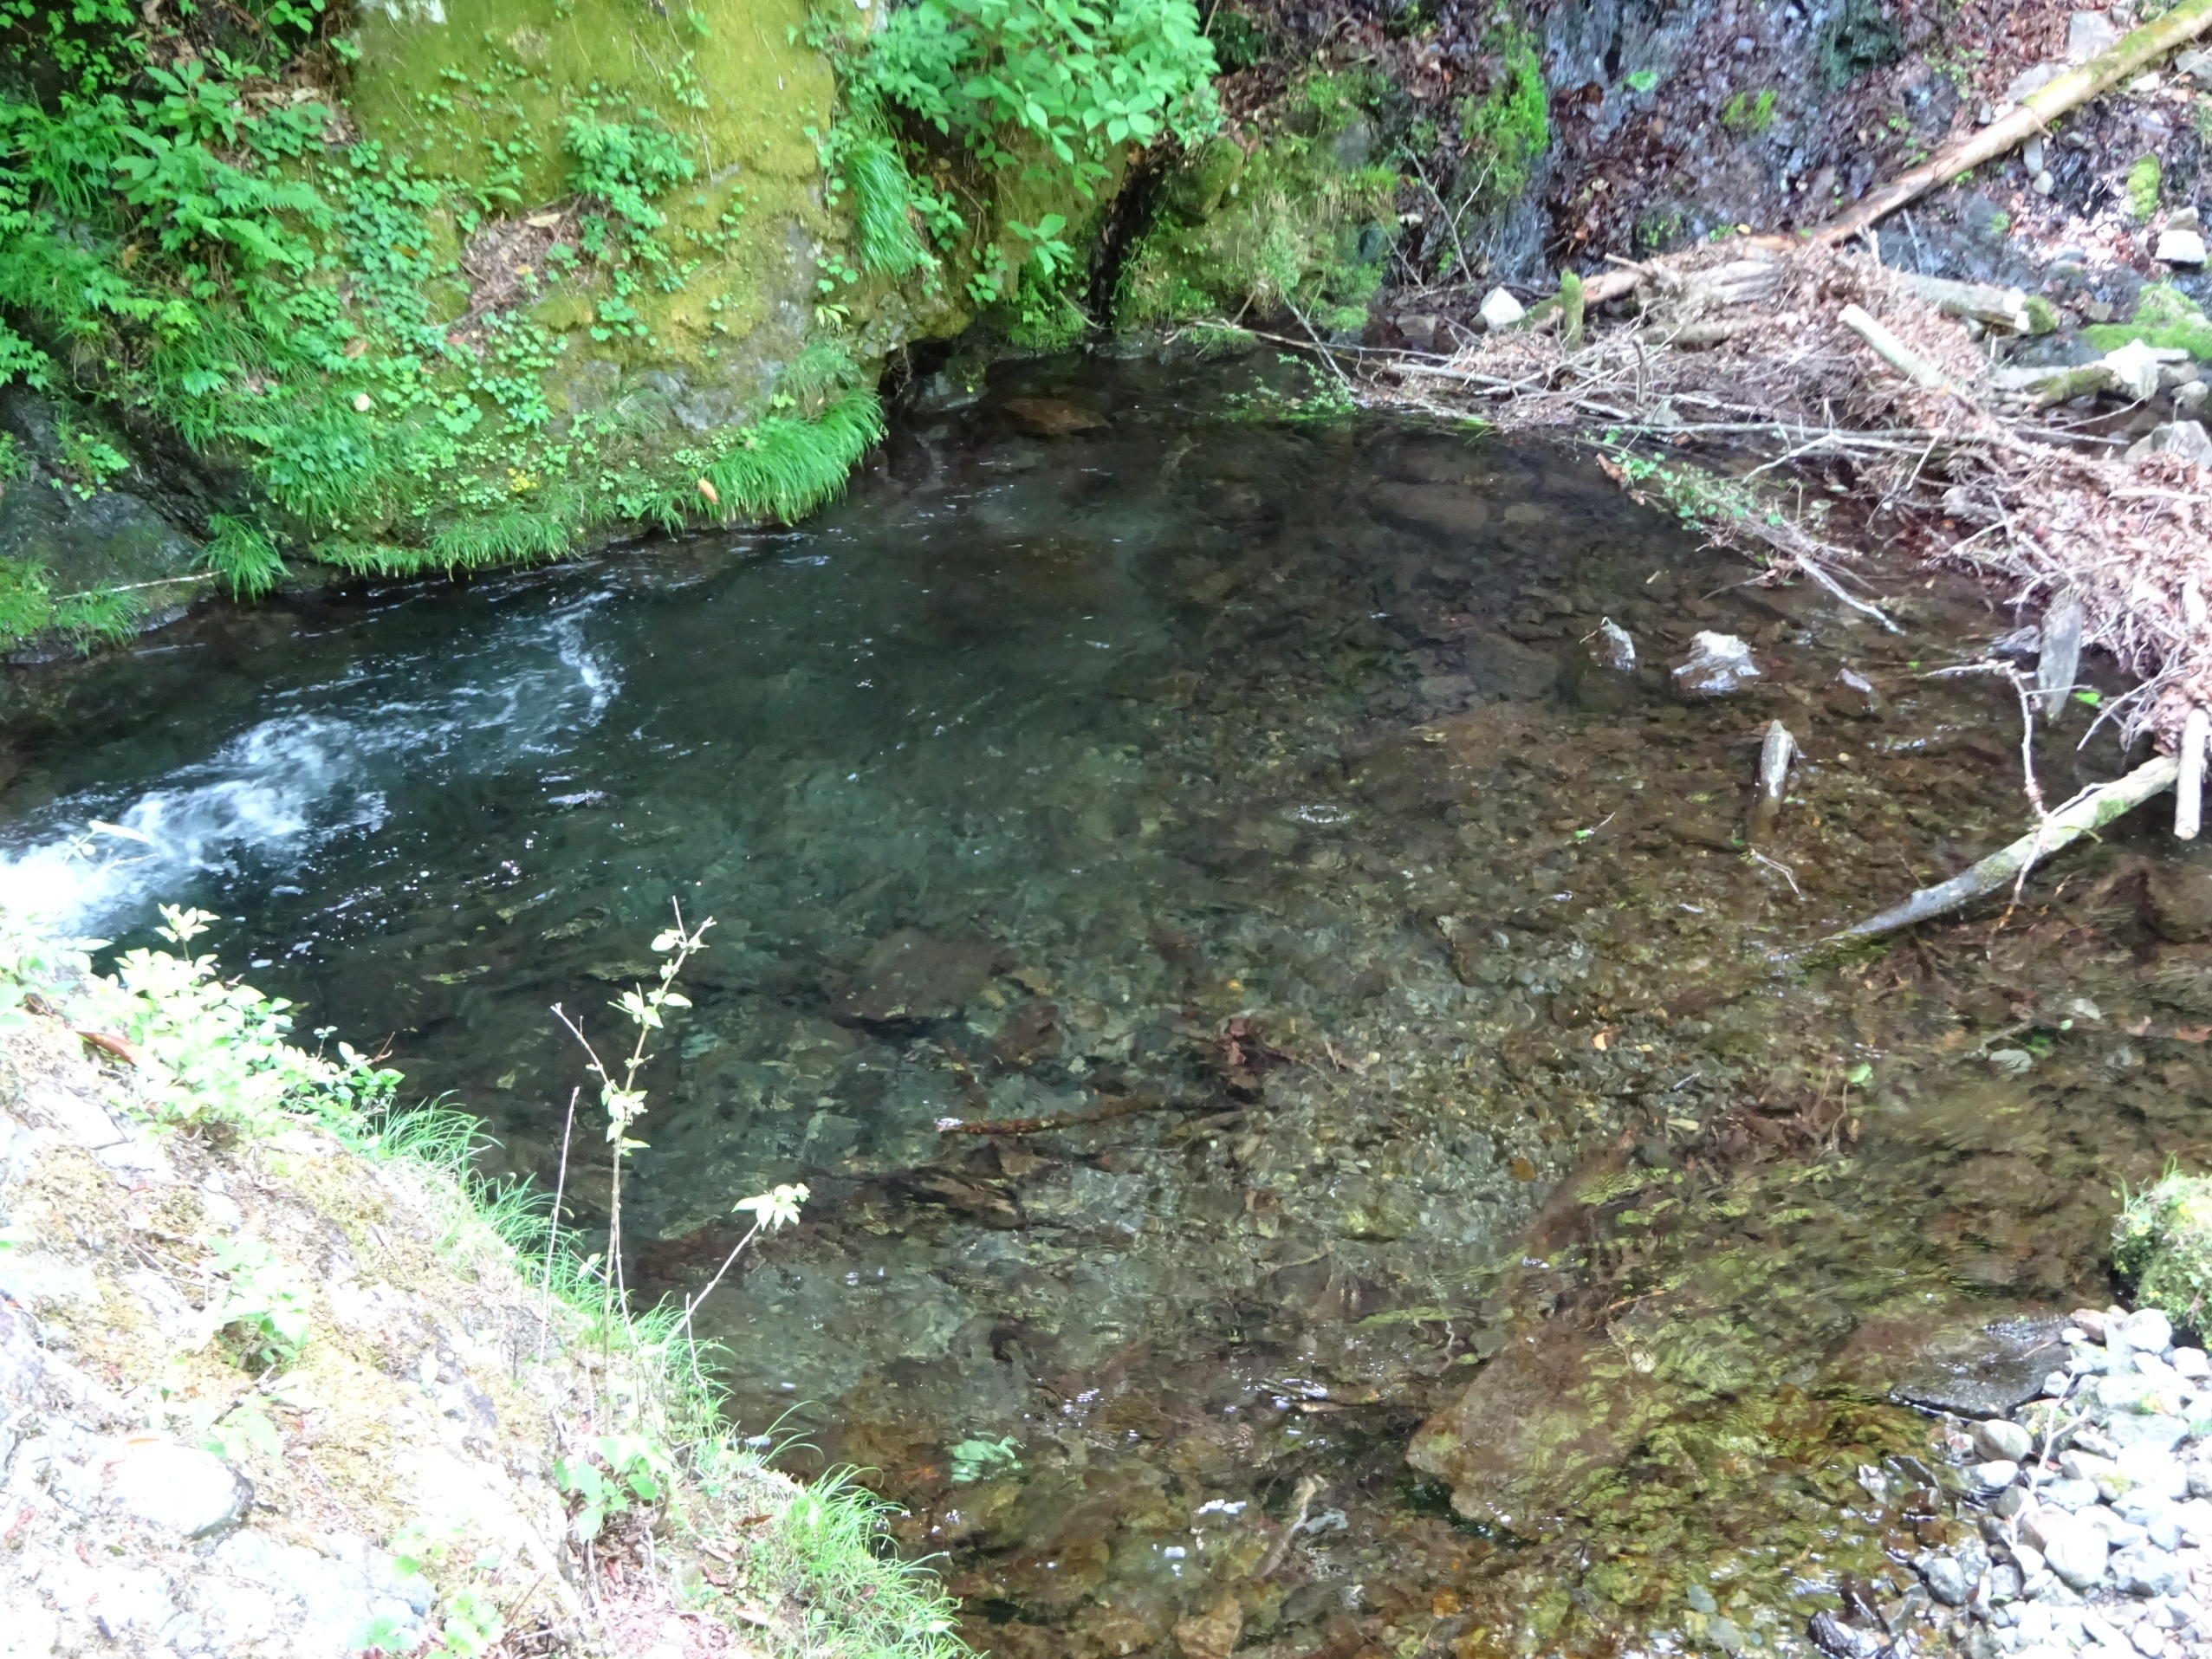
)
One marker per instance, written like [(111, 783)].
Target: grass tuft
[(786, 468)]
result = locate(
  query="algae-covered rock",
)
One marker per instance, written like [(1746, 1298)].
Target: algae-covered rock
[(1552, 1412), (2164, 317), (2164, 1241)]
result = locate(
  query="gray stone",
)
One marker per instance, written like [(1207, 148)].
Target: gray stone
[(2089, 33), (2152, 1471), (2130, 1429), (1500, 309), (1718, 664), (2031, 81), (2142, 1571), (1999, 1437), (2069, 1494), (2004, 1583), (1701, 1600), (1945, 1579), (175, 1488), (2192, 1361), (2132, 369), (2186, 439), (2180, 247), (2147, 1331), (2078, 1465), (2076, 1553), (1993, 1476)]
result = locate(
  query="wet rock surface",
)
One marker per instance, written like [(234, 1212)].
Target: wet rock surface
[(1238, 975)]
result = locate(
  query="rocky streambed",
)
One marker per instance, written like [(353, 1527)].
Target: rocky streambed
[(1256, 980)]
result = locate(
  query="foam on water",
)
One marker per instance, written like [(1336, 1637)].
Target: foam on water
[(273, 794)]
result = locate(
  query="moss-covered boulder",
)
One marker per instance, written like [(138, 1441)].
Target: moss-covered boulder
[(2163, 1242), (433, 288), (2164, 316)]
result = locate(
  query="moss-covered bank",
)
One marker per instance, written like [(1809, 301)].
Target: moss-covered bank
[(284, 1380), (411, 289)]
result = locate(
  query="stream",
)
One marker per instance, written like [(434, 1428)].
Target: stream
[(1368, 987)]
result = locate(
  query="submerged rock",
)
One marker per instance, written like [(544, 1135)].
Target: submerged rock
[(1613, 646), (1717, 665), (1537, 1424), (1973, 1369), (1052, 417), (911, 975)]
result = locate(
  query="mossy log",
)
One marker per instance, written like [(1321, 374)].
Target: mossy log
[(2091, 812)]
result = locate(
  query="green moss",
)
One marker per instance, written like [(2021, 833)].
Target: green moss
[(2164, 1242), (2143, 183), (1747, 115), (1294, 217), (1508, 127), (2042, 316), (2164, 316), (1856, 41)]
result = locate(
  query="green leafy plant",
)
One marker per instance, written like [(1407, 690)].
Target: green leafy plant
[(620, 1097), (625, 166), (975, 1460), (242, 556), (620, 1470), (467, 1624), (264, 1305), (1071, 80)]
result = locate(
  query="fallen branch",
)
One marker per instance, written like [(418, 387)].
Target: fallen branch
[(2000, 307), (1893, 351), (1818, 572), (1775, 753), (2188, 787), (2081, 816), (2125, 59)]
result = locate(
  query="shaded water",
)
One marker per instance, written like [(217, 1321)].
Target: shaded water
[(1380, 980)]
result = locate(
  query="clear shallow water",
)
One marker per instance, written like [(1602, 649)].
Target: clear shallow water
[(1240, 803)]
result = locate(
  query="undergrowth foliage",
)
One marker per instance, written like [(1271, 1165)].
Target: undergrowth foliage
[(193, 232), (210, 1057), (1042, 93)]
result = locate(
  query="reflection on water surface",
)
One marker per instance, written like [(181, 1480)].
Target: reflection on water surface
[(1374, 978)]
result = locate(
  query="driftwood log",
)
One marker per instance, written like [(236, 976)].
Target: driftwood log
[(2085, 814), (2127, 57)]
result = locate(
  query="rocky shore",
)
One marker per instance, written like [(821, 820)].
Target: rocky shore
[(2088, 1514)]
